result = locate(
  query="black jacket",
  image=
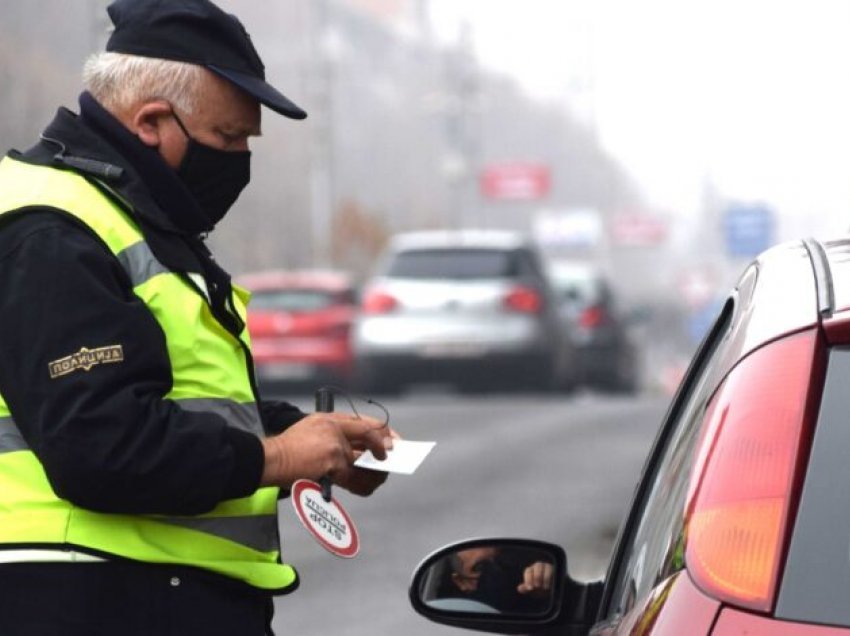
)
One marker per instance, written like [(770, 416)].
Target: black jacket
[(107, 438)]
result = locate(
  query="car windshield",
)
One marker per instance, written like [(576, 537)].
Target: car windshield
[(294, 300), (456, 264), (580, 285)]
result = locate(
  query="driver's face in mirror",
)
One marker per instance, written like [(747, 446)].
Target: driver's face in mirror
[(468, 566)]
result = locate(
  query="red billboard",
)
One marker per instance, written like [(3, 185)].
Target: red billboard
[(638, 230), (516, 181)]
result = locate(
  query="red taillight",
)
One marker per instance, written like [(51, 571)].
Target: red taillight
[(524, 300), (378, 302), (744, 476), (591, 317)]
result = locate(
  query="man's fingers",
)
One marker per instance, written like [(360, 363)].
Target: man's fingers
[(536, 577), (354, 425), (367, 433), (360, 481), (327, 444)]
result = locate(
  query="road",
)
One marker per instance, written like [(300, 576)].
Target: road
[(560, 469)]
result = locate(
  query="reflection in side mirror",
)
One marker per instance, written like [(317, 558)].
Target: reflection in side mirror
[(492, 579), (491, 582)]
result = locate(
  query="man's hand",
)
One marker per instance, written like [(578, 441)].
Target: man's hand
[(327, 444), (536, 579)]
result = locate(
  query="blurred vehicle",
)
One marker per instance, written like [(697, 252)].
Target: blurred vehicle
[(737, 525), (608, 356), (472, 308), (300, 326)]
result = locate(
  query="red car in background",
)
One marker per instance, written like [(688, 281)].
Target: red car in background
[(299, 322), (740, 522)]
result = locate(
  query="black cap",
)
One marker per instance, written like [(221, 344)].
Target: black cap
[(197, 32)]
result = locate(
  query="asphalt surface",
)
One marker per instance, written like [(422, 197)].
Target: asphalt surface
[(560, 469)]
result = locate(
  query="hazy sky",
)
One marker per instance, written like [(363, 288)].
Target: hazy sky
[(751, 94)]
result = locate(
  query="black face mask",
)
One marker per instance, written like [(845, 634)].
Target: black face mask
[(214, 177)]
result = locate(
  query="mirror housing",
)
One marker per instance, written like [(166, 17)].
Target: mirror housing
[(504, 586)]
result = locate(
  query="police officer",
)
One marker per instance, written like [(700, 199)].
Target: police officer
[(139, 471)]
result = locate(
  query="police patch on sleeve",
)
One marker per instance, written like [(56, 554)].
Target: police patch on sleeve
[(85, 359)]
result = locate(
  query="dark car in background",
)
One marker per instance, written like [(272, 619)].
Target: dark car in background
[(300, 326), (586, 299), (470, 308), (739, 522)]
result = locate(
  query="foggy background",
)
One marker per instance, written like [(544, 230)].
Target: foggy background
[(666, 141)]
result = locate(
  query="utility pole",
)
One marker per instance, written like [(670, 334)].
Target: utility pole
[(324, 45), (462, 124), (98, 25)]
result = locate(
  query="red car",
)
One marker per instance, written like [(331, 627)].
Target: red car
[(740, 523), (299, 322)]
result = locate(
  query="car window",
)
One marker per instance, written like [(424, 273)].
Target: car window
[(461, 264), (580, 287), (529, 263), (817, 573), (293, 300), (652, 547)]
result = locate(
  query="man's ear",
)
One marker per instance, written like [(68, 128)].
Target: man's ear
[(146, 122)]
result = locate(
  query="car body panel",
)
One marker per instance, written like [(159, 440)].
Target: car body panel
[(784, 284), (733, 621), (300, 325), (837, 327), (675, 603)]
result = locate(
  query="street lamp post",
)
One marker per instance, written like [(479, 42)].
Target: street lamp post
[(326, 46)]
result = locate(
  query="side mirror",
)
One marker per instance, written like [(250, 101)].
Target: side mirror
[(505, 586)]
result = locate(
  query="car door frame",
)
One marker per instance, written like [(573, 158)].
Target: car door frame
[(721, 332)]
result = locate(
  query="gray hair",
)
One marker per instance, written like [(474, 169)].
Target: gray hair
[(119, 81)]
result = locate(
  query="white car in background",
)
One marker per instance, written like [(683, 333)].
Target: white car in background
[(470, 308)]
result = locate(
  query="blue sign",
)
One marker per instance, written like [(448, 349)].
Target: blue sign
[(749, 229)]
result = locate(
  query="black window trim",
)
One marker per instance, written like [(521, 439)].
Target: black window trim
[(721, 328)]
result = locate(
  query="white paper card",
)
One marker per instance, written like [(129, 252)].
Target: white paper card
[(404, 457)]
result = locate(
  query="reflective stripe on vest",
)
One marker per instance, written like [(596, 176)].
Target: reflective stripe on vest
[(239, 537), (10, 437)]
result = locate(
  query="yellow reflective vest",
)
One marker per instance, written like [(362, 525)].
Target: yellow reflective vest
[(239, 538)]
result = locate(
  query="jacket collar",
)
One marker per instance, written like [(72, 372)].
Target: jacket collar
[(149, 185), (168, 215)]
